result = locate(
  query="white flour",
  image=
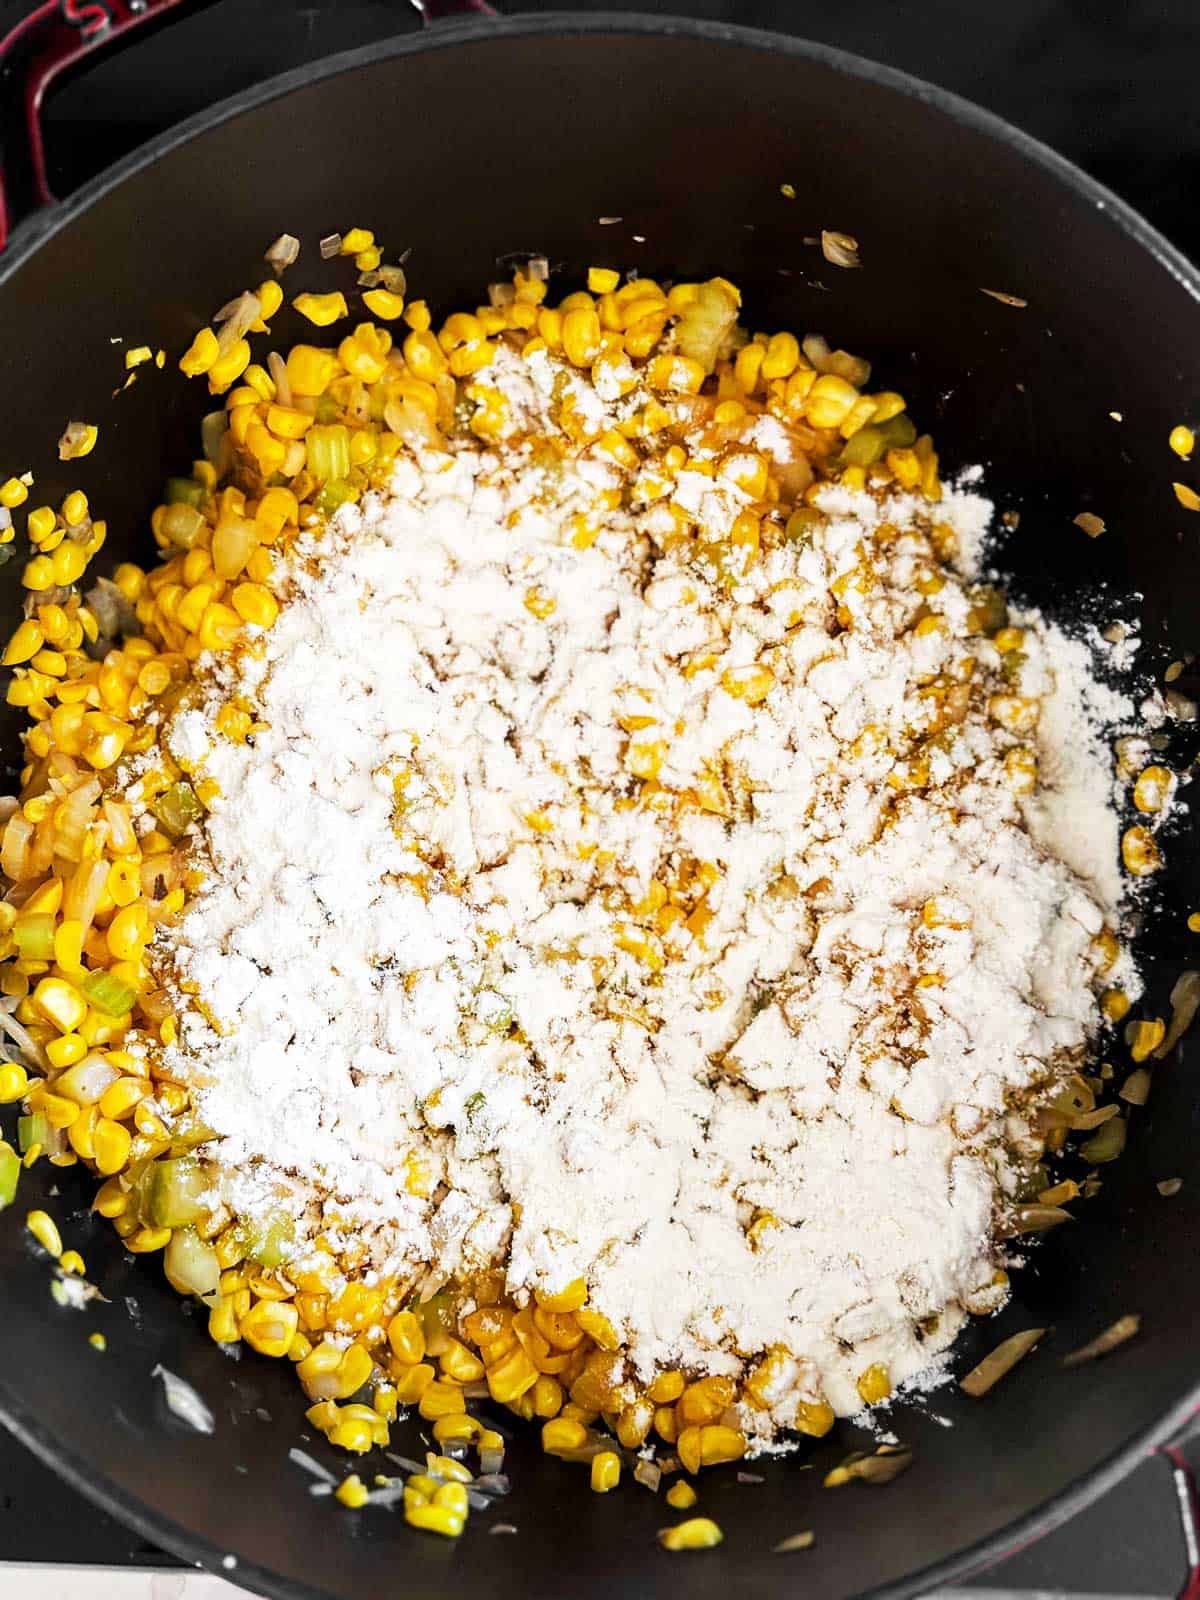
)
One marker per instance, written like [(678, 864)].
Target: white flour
[(458, 1018)]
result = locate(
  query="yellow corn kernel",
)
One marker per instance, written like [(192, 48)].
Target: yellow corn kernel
[(353, 1434), (126, 933), (509, 1378), (14, 1083), (830, 401), (665, 1424), (560, 1437), (25, 643), (874, 1385), (581, 336), (813, 1418), (45, 1230), (269, 1326), (606, 1464), (255, 604), (782, 356), (322, 309), (547, 1397), (146, 1240), (434, 1519), (406, 1335), (1139, 852), (570, 1298), (673, 372), (1187, 496), (198, 358), (1145, 1038), (441, 1399), (718, 1444), (38, 575), (1152, 789), (412, 1381), (120, 1098), (751, 683), (60, 1004), (424, 356), (13, 493), (111, 1143), (460, 1364), (1181, 439), (455, 1428), (382, 303), (75, 508), (666, 1388), (697, 1533), (1021, 770), (66, 1050), (72, 1262), (68, 564), (59, 1110), (351, 1492), (355, 240), (227, 369), (681, 1496)]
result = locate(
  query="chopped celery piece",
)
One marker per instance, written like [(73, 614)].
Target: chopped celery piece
[(268, 1239), (172, 1192), (108, 994), (182, 525), (898, 432), (34, 937), (10, 1171), (864, 448), (184, 492), (334, 495), (177, 808), (32, 1131), (328, 452)]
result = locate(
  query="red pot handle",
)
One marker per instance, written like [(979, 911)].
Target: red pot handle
[(59, 34)]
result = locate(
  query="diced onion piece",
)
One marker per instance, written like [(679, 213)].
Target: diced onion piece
[(1000, 1361), (839, 249), (1185, 1002), (280, 256), (183, 1401), (1117, 1333)]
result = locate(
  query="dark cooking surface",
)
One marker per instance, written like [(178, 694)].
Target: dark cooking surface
[(1118, 99)]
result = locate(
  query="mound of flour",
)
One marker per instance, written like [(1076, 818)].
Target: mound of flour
[(533, 933)]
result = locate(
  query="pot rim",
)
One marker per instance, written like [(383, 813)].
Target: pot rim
[(34, 231)]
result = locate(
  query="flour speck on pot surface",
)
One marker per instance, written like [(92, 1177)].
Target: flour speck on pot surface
[(622, 906)]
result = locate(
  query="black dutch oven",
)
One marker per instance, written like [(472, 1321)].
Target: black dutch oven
[(661, 145)]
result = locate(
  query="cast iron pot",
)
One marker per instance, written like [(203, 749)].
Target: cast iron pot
[(660, 145)]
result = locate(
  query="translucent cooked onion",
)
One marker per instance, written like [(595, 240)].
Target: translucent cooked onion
[(1117, 1333), (888, 1462), (282, 253), (1036, 1219), (330, 246), (1185, 1002), (1000, 1361), (114, 614), (183, 1401), (796, 1541), (1005, 299), (190, 1264), (839, 249), (235, 319)]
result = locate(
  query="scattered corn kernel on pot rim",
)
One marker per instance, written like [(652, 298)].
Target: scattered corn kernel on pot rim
[(1068, 399)]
